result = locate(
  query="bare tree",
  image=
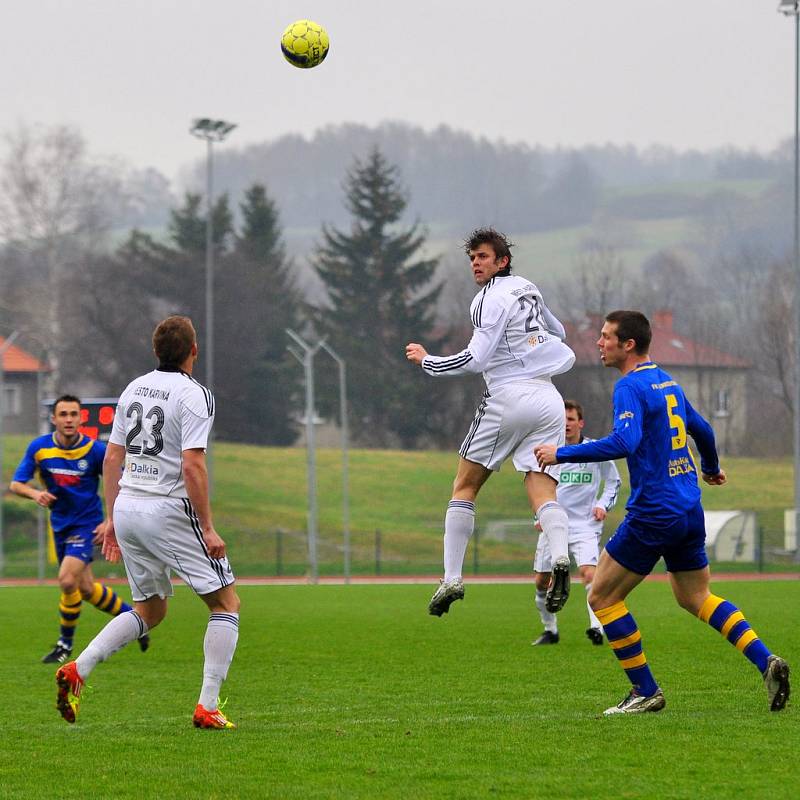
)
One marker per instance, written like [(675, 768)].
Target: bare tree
[(55, 205), (598, 285)]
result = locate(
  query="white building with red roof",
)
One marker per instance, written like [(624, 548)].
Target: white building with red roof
[(21, 374)]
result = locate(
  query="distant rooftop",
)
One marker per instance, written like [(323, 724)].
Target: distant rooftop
[(15, 359), (668, 348)]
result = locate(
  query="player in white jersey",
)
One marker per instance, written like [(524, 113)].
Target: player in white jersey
[(518, 345), (162, 519), (578, 491)]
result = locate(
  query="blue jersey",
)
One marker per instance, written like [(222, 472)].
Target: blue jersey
[(71, 475), (652, 418)]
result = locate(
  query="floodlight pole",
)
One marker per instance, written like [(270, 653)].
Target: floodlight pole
[(345, 456), (791, 8), (211, 130), (6, 344), (306, 358)]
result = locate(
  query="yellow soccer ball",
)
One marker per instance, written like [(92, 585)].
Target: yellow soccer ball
[(304, 44)]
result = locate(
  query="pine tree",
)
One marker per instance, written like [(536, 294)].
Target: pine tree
[(174, 271), (380, 297), (257, 381)]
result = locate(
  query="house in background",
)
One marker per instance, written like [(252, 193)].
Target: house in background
[(21, 374), (715, 382)]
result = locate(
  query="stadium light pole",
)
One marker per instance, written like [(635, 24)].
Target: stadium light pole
[(791, 8), (6, 344), (345, 456), (211, 130)]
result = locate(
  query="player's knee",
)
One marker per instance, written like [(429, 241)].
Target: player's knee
[(231, 603), (586, 573), (690, 602), (597, 600), (68, 583), (542, 581)]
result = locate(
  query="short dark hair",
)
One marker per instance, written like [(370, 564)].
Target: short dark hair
[(574, 405), (66, 398), (498, 241), (632, 325), (172, 340)]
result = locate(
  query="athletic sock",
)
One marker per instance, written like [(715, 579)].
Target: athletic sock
[(730, 622), (555, 525), (626, 641), (593, 621), (219, 646), (459, 522), (549, 620), (69, 607), (123, 629), (106, 599)]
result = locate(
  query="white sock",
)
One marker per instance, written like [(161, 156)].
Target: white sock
[(555, 525), (593, 621), (123, 629), (459, 522), (219, 646), (548, 620)]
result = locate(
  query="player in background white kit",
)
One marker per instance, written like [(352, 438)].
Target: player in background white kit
[(577, 492), (161, 519), (518, 345)]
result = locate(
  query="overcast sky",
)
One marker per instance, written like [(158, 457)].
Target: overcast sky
[(133, 73)]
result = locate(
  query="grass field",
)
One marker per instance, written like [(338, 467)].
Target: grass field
[(355, 692)]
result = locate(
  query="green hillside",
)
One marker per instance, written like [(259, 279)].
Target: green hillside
[(397, 504)]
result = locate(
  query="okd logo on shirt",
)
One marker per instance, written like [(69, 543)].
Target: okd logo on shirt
[(575, 477)]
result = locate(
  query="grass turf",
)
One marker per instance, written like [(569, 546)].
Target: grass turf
[(357, 692)]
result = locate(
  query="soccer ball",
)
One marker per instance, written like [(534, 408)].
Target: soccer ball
[(304, 44)]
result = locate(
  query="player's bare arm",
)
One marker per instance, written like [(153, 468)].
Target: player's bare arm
[(415, 352), (546, 455), (113, 463), (195, 476), (40, 497)]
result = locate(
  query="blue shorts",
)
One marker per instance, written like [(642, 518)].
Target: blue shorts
[(75, 542), (638, 544)]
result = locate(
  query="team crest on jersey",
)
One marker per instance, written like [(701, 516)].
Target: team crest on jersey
[(83, 465), (626, 415)]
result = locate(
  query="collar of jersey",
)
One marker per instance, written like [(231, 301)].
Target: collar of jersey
[(645, 365), (170, 368)]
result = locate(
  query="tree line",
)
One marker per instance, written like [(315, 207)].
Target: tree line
[(87, 293)]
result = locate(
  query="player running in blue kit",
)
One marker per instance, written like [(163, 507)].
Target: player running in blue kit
[(70, 464), (652, 418)]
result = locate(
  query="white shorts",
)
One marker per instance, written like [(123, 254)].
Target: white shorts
[(512, 420), (584, 547), (160, 534)]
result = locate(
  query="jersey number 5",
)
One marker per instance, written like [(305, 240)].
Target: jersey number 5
[(676, 423), (156, 417)]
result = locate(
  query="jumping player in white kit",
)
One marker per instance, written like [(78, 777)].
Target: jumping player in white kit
[(517, 344), (162, 519), (578, 489)]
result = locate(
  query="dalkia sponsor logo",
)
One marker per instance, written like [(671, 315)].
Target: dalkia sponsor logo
[(143, 472)]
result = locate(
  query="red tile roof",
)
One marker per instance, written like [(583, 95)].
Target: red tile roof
[(15, 359), (669, 349)]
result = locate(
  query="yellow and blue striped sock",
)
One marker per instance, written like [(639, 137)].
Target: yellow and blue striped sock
[(106, 599), (730, 622), (626, 642), (69, 606)]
